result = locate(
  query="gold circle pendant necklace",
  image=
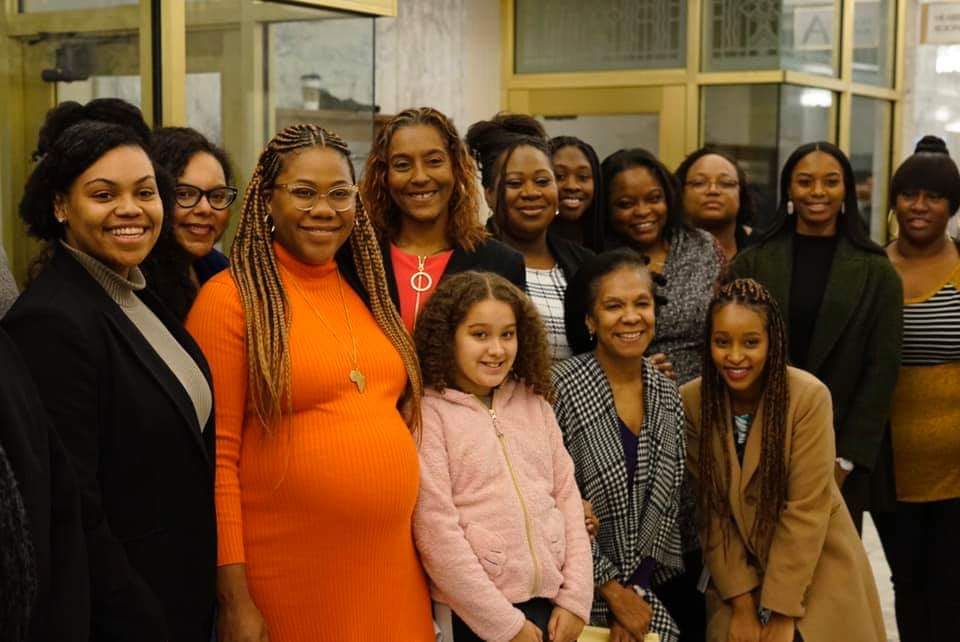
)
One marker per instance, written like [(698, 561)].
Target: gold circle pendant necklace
[(356, 377)]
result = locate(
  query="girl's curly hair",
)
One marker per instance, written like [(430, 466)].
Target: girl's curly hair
[(463, 223), (448, 307)]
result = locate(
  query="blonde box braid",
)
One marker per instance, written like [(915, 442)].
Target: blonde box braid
[(266, 310), (714, 479)]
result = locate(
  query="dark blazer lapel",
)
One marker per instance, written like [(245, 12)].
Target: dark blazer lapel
[(840, 299), (777, 272), (391, 275), (134, 339), (606, 449), (460, 261)]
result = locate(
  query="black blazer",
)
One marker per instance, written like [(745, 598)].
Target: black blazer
[(145, 469), (568, 254), (489, 256), (48, 487)]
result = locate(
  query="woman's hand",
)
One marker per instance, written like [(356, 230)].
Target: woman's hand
[(631, 611), (238, 618), (564, 626), (241, 621), (619, 634), (529, 633), (744, 623), (663, 365), (592, 523), (780, 628)]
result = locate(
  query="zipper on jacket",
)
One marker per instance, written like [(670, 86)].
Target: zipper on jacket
[(528, 526)]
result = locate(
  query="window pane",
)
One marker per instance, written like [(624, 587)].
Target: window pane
[(571, 35), (742, 120), (807, 115), (321, 72), (35, 6), (873, 48), (870, 157), (88, 67), (607, 134), (800, 35)]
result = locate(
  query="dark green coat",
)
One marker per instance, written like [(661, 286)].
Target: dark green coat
[(855, 351)]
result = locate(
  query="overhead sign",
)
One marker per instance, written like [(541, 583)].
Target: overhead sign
[(941, 23)]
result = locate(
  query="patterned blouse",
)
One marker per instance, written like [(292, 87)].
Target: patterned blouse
[(546, 288), (693, 264)]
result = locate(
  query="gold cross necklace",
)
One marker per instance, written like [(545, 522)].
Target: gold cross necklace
[(356, 376)]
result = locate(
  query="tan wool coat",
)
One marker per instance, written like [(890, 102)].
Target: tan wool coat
[(816, 569)]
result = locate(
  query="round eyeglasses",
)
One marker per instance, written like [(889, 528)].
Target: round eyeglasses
[(220, 198), (305, 197)]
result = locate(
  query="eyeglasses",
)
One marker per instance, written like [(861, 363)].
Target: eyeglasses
[(220, 198), (305, 197), (723, 184)]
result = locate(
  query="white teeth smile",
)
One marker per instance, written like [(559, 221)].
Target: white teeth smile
[(426, 196), (572, 202), (645, 226), (630, 336), (128, 231)]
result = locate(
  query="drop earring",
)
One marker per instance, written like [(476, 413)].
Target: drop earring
[(843, 208), (789, 208), (269, 221)]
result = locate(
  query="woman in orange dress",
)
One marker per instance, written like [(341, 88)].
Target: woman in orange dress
[(317, 472)]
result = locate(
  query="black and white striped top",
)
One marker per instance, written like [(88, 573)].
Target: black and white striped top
[(546, 288), (931, 327)]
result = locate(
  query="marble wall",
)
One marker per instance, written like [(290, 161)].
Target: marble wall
[(441, 53)]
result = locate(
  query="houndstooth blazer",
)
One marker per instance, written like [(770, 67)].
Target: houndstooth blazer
[(633, 525)]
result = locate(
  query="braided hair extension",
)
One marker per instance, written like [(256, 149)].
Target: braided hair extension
[(266, 310), (463, 223), (773, 474)]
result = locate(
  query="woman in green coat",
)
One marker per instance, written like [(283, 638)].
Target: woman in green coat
[(843, 305)]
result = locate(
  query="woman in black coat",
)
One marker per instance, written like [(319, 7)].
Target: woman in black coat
[(127, 388), (43, 565)]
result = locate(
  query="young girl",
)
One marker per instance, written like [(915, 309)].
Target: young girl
[(784, 557), (499, 522)]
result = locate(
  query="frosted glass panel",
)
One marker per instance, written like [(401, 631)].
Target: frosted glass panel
[(572, 35), (800, 35), (873, 41), (36, 6), (870, 156), (607, 134)]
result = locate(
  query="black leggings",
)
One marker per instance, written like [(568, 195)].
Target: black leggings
[(537, 610), (920, 543)]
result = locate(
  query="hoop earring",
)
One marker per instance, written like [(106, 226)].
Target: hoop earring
[(789, 208), (267, 219)]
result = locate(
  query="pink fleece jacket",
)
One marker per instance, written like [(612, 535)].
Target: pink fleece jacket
[(499, 519)]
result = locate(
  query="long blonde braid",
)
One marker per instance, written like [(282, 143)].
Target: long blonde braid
[(266, 311)]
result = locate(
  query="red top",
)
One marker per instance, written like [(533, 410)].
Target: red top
[(404, 267)]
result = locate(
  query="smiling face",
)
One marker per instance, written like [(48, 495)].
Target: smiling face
[(199, 227), (113, 210), (574, 182), (711, 193), (420, 174), (817, 192), (312, 236), (638, 206), (485, 347), (623, 314), (922, 215), (739, 345), (530, 193)]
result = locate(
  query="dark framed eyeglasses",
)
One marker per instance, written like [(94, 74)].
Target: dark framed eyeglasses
[(220, 198)]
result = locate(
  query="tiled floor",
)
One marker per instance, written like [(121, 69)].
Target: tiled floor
[(882, 574)]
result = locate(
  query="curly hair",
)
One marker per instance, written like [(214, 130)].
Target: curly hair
[(463, 223), (449, 306), (266, 311), (713, 475), (74, 137)]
